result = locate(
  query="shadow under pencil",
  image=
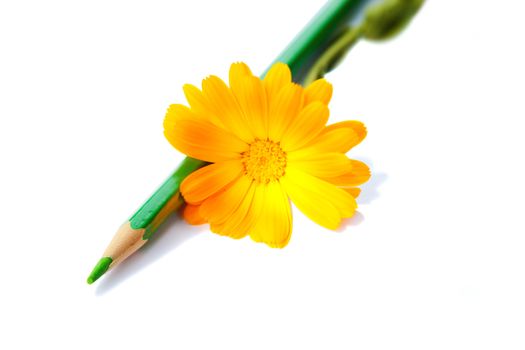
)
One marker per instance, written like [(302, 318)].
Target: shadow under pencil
[(174, 232)]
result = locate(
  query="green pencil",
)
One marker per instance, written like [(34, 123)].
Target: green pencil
[(135, 232), (308, 50)]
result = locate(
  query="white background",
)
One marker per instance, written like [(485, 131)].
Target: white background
[(435, 258)]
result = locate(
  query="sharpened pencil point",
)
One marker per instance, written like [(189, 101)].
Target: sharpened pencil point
[(99, 269)]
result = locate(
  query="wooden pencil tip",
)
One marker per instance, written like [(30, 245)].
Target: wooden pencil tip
[(99, 269)]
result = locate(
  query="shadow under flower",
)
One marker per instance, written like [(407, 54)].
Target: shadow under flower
[(174, 232), (355, 220), (370, 189), (369, 193)]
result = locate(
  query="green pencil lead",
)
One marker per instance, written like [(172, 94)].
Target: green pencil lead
[(99, 269)]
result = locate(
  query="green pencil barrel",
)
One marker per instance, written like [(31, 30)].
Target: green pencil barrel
[(165, 200), (300, 55)]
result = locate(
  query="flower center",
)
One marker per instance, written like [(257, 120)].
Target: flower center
[(264, 161)]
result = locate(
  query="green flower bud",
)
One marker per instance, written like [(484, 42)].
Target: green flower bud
[(386, 19)]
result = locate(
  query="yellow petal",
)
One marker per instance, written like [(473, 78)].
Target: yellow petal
[(222, 103), (357, 127), (198, 104), (284, 109), (178, 112), (308, 124), (192, 216), (274, 225), (202, 140), (322, 165), (219, 207), (241, 221), (338, 137), (319, 200), (320, 90), (251, 96), (353, 191), (209, 180), (277, 77), (359, 173), (336, 140), (238, 71)]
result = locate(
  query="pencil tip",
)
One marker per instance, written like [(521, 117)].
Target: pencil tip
[(99, 269)]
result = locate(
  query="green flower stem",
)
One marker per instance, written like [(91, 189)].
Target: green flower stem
[(333, 55), (381, 21), (306, 48)]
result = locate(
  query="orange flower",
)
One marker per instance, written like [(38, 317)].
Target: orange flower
[(267, 143)]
